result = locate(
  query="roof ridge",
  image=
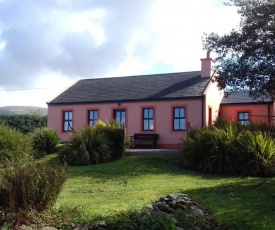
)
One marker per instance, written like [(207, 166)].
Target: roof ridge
[(141, 75)]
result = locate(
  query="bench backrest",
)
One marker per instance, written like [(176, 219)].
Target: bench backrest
[(145, 136)]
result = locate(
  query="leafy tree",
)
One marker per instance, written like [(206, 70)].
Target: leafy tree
[(246, 56)]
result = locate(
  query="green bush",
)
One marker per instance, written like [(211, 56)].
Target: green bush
[(25, 123), (45, 140), (88, 146), (229, 150), (115, 136), (30, 187), (14, 146), (261, 154), (252, 126)]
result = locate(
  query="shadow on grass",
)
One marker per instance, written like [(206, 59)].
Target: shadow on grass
[(239, 202), (242, 205)]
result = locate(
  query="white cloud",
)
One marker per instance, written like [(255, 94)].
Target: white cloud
[(51, 44)]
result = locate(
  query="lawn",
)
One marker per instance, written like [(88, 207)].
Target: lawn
[(102, 191)]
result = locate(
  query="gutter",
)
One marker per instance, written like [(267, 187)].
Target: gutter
[(123, 101)]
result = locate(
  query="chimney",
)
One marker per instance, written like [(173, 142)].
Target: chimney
[(206, 64)]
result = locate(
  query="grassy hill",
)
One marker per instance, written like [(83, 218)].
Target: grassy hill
[(14, 110)]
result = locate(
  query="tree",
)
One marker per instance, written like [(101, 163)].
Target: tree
[(246, 56)]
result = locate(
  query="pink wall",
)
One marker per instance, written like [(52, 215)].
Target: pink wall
[(258, 112), (213, 98), (168, 138)]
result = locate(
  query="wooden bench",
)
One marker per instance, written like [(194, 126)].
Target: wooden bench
[(144, 138)]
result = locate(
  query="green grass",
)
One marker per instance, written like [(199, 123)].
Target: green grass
[(105, 190)]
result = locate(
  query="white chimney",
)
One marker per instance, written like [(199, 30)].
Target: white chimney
[(206, 64)]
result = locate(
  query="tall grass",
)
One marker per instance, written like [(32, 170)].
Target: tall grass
[(88, 146), (229, 150), (94, 145), (14, 146), (30, 187), (116, 136), (45, 140)]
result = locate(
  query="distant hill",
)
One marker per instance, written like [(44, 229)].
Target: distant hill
[(14, 110)]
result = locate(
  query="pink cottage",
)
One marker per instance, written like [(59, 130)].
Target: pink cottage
[(162, 104)]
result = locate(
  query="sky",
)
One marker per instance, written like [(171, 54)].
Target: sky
[(48, 45)]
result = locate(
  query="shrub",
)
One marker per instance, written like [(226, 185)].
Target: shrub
[(213, 150), (252, 126), (229, 150), (25, 123), (14, 146), (115, 136), (45, 140), (88, 146), (261, 154), (30, 187)]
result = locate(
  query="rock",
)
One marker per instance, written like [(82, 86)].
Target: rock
[(102, 224), (166, 208), (195, 211), (149, 206), (177, 206), (173, 196), (145, 214)]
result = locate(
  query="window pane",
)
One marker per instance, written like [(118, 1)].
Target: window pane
[(151, 124), (177, 114), (240, 116), (151, 113), (245, 116), (118, 116), (145, 113), (145, 125), (176, 124), (66, 116), (66, 126), (182, 124), (70, 115), (182, 112), (70, 125), (123, 118)]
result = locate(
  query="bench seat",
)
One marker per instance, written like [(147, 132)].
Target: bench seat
[(139, 139)]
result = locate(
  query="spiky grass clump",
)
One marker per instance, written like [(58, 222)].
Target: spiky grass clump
[(45, 140), (88, 146), (260, 149), (14, 146), (115, 135), (230, 151)]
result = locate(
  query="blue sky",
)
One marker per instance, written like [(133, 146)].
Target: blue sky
[(47, 45)]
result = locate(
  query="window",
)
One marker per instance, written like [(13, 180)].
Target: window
[(178, 118), (120, 116), (67, 121), (148, 119), (93, 116), (243, 118)]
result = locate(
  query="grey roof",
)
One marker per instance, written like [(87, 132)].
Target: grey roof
[(134, 88), (242, 98)]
